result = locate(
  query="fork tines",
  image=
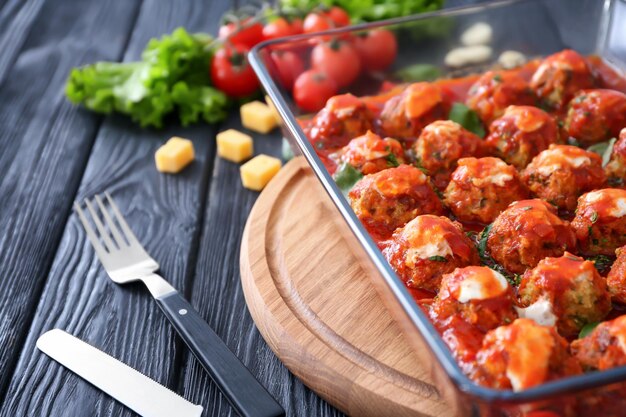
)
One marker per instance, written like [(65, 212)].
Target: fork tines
[(114, 234)]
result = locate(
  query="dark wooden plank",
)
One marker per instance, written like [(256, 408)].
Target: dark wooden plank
[(217, 293), (44, 145), (164, 212), (16, 20)]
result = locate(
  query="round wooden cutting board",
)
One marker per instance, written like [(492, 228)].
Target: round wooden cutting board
[(317, 310)]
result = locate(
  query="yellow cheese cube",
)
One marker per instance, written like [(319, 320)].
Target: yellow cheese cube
[(257, 116), (174, 155), (234, 145), (270, 104), (257, 172)]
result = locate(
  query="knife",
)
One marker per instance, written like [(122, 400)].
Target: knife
[(141, 394)]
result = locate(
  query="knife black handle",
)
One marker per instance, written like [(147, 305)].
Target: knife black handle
[(247, 396)]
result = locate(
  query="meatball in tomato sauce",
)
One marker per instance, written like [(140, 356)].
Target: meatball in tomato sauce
[(370, 153), (440, 145), (471, 301), (389, 199), (560, 76), (562, 173), (479, 295), (482, 188), (600, 222), (522, 355), (596, 116), (344, 117), (616, 168), (567, 292), (405, 115), (616, 280), (604, 348), (520, 134), (527, 232), (428, 247), (495, 91)]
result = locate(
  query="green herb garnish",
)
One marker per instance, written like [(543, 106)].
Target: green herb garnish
[(467, 118), (587, 329), (437, 258), (604, 149), (418, 72), (392, 161), (346, 176)]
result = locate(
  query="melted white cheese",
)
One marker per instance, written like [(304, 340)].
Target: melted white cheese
[(555, 160), (540, 312), (619, 208), (490, 284), (499, 179), (439, 248)]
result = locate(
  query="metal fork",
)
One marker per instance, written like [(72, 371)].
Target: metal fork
[(125, 260)]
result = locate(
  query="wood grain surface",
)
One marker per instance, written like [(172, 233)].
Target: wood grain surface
[(317, 309), (52, 153)]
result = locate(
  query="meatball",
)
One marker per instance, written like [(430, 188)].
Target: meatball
[(428, 247), (567, 291), (369, 153), (481, 188), (562, 173), (495, 91), (616, 168), (344, 117), (479, 295), (520, 134), (600, 222), (596, 115), (525, 233), (616, 280), (604, 347), (439, 147), (391, 198), (559, 77), (404, 116), (522, 355)]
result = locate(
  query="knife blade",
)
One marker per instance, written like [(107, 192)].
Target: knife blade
[(141, 394)]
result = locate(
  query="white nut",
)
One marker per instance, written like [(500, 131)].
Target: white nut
[(466, 55), (511, 59), (477, 34)]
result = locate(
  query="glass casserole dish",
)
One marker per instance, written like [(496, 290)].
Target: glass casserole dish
[(537, 28)]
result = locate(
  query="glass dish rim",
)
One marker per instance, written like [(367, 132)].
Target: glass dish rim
[(418, 318)]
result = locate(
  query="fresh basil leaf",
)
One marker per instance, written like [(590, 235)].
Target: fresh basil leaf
[(467, 118), (346, 176), (604, 149), (418, 72), (587, 329)]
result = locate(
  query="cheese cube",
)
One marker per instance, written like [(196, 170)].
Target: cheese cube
[(258, 117), (270, 104), (174, 155), (234, 145), (257, 172)]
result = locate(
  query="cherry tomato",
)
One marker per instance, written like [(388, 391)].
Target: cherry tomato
[(297, 25), (281, 27), (312, 90), (242, 33), (231, 72), (339, 16), (377, 49), (317, 22), (338, 59), (288, 66)]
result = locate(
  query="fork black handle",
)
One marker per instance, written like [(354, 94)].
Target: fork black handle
[(247, 396)]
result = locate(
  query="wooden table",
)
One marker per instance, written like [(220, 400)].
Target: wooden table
[(52, 153)]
